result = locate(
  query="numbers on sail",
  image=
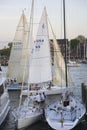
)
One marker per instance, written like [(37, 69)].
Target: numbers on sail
[(38, 44), (17, 45)]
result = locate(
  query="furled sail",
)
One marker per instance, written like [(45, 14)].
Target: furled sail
[(40, 61), (18, 56)]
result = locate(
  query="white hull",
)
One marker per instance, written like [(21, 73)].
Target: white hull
[(4, 111), (27, 114), (62, 126), (73, 65), (24, 122), (64, 118), (52, 91)]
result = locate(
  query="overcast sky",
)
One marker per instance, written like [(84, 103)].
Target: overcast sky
[(76, 16)]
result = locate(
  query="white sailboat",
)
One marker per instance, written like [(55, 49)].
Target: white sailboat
[(66, 112), (18, 57), (29, 111), (72, 64), (4, 99), (43, 76)]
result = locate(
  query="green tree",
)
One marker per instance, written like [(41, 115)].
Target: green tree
[(6, 51), (10, 45), (74, 43), (81, 38)]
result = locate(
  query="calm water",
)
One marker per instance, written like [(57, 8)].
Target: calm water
[(78, 74)]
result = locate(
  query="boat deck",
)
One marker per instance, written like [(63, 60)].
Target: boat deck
[(66, 113)]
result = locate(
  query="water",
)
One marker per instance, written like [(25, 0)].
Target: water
[(78, 74)]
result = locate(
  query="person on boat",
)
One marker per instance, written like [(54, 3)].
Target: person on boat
[(0, 69), (38, 98), (32, 97), (29, 100), (12, 81), (30, 86), (36, 86), (8, 81), (50, 84), (43, 97), (42, 104)]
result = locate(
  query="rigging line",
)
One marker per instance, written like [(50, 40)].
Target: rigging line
[(20, 100), (61, 19), (61, 35), (31, 22), (31, 36)]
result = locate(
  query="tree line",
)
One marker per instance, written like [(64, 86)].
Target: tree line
[(73, 45)]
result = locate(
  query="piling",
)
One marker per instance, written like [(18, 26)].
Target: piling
[(84, 95), (86, 98), (83, 86)]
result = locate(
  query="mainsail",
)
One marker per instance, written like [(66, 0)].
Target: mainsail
[(40, 61), (18, 56)]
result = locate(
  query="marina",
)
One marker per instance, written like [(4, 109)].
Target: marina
[(44, 83), (78, 74)]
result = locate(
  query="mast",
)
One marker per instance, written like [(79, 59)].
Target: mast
[(65, 42), (30, 33), (30, 38)]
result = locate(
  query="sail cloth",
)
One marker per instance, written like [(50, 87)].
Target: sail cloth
[(26, 51), (18, 56), (40, 61), (59, 64)]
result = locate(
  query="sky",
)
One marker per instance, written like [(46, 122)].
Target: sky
[(76, 17)]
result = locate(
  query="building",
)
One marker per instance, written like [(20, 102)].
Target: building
[(61, 43)]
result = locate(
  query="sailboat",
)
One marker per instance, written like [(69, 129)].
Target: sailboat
[(44, 77), (40, 73), (66, 112), (4, 98), (18, 57), (72, 64), (30, 110)]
